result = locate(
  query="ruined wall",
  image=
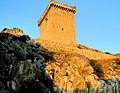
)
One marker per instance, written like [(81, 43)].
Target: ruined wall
[(89, 53), (14, 31), (58, 26)]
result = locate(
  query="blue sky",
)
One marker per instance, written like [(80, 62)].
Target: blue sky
[(97, 21)]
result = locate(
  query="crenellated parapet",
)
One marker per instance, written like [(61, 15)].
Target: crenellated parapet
[(56, 5)]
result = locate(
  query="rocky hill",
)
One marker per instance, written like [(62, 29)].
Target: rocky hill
[(76, 66), (22, 66), (40, 66)]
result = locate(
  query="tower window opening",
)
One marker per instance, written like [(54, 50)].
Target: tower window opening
[(62, 29)]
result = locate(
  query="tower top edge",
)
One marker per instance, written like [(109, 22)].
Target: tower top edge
[(57, 5)]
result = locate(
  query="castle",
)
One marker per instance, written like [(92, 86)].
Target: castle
[(57, 23), (75, 66)]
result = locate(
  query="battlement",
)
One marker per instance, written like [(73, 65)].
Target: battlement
[(56, 5)]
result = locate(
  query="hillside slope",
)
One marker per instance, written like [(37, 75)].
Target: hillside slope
[(76, 66), (73, 69)]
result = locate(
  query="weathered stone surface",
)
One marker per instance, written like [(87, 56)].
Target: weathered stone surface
[(22, 66), (52, 26), (74, 74), (106, 86), (23, 69), (87, 52), (14, 31), (69, 71)]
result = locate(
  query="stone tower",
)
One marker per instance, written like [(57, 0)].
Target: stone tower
[(57, 23)]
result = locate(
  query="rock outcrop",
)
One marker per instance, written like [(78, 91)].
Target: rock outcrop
[(79, 69), (74, 73), (106, 86), (28, 67), (22, 66)]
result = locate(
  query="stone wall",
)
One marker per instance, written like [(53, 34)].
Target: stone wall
[(89, 53), (58, 24), (14, 31)]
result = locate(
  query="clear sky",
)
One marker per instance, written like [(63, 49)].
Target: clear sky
[(97, 21)]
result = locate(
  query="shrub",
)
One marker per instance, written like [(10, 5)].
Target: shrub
[(48, 55), (117, 61), (98, 70)]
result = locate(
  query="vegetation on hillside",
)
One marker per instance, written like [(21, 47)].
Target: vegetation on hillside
[(98, 70)]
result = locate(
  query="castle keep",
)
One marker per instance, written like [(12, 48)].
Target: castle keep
[(57, 23)]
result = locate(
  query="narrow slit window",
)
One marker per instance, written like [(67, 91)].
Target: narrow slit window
[(62, 29)]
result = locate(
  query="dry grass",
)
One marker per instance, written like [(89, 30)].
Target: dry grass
[(98, 70)]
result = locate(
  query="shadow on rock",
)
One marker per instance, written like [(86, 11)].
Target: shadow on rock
[(22, 66)]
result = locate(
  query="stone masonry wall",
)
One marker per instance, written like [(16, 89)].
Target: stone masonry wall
[(89, 53), (14, 31), (58, 25)]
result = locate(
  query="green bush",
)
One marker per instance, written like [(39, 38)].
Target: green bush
[(98, 70)]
